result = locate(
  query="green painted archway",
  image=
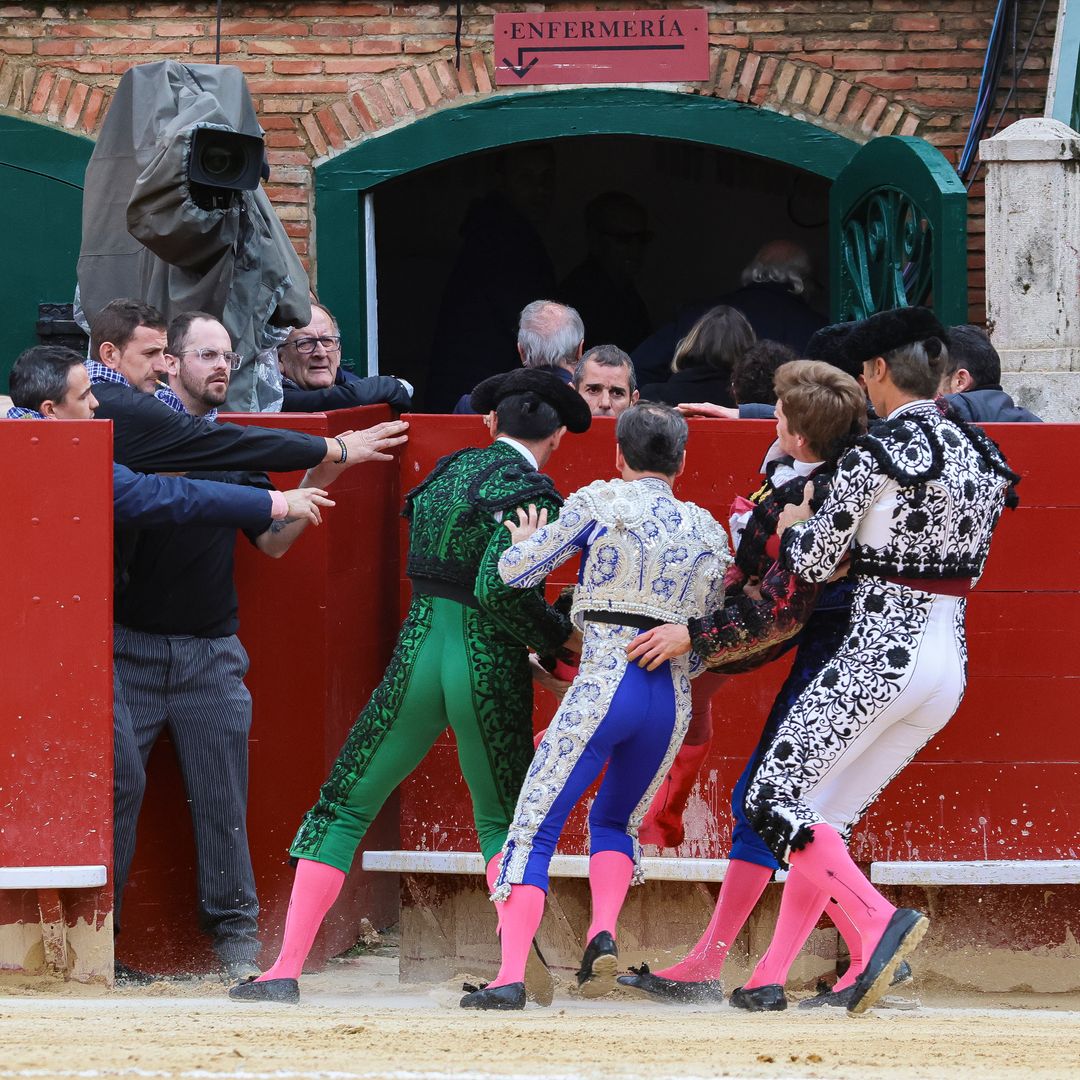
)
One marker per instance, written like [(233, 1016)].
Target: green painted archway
[(41, 181), (505, 119)]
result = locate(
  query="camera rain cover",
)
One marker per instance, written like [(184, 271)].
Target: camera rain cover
[(145, 235)]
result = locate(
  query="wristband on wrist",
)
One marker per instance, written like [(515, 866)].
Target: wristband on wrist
[(344, 450)]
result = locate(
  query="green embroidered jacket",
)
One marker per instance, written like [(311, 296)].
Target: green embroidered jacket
[(456, 537)]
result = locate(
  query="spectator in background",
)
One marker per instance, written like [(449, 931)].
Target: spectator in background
[(604, 377), (772, 297), (502, 262), (705, 359), (602, 287), (550, 337), (972, 380), (127, 350), (754, 372), (313, 379)]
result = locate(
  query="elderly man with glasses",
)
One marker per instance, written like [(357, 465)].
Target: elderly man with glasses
[(313, 379)]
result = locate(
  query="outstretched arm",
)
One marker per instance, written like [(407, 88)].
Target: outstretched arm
[(520, 610), (538, 546)]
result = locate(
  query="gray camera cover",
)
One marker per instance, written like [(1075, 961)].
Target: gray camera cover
[(144, 237)]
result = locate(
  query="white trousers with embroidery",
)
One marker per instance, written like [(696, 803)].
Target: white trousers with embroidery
[(894, 684)]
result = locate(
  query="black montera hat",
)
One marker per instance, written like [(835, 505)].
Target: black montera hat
[(848, 345), (572, 408)]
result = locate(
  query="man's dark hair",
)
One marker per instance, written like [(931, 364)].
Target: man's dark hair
[(970, 348), (179, 327), (606, 356), (41, 374), (526, 416), (118, 320), (652, 437), (752, 377)]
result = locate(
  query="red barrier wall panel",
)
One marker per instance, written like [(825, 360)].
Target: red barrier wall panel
[(998, 782), (56, 655)]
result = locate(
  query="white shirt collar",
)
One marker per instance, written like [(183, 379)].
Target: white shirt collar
[(523, 450), (909, 405)]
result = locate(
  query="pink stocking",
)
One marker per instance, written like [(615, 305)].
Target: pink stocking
[(850, 934), (315, 888), (800, 908), (827, 864), (521, 916), (610, 873), (743, 885)]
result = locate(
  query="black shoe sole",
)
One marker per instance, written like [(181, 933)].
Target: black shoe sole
[(601, 978), (906, 944)]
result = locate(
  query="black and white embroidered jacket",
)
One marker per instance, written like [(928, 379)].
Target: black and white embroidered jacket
[(918, 496)]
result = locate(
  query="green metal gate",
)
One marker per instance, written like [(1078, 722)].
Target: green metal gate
[(898, 232), (41, 181)]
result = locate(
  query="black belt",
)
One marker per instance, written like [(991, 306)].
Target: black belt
[(622, 618), (447, 590)]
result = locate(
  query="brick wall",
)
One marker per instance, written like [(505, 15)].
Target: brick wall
[(324, 75)]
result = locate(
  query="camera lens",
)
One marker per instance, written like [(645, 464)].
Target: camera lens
[(225, 159), (221, 163)]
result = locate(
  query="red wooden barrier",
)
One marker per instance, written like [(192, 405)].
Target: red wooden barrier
[(999, 782), (56, 683), (319, 625)]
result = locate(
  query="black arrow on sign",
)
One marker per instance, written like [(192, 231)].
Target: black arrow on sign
[(521, 69)]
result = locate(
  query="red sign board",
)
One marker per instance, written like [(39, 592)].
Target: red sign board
[(601, 47)]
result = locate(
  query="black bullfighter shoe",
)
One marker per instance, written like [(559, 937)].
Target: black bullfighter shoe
[(841, 999), (596, 976), (510, 996), (705, 992), (906, 929), (281, 991), (770, 998)]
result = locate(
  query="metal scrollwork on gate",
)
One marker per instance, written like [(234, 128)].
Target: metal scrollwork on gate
[(887, 254), (898, 232)]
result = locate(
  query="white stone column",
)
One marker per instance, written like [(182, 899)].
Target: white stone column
[(1033, 263)]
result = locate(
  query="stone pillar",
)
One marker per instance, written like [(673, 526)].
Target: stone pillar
[(1033, 263)]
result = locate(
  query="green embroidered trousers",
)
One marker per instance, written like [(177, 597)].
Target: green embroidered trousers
[(451, 667)]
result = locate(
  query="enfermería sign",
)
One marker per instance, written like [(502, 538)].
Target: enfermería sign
[(601, 47)]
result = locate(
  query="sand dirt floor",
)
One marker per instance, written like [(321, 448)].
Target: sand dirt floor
[(357, 1021)]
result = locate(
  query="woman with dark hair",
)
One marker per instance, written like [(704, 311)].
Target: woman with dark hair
[(705, 358)]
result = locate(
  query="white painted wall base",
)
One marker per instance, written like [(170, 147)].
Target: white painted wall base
[(52, 877), (990, 872)]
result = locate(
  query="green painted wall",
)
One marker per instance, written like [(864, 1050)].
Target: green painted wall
[(41, 177)]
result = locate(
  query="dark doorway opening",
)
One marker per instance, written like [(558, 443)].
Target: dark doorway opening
[(708, 210)]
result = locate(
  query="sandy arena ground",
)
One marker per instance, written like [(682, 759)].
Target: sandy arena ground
[(357, 1021)]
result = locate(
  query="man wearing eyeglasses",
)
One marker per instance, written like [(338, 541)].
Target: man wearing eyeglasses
[(181, 665), (314, 380)]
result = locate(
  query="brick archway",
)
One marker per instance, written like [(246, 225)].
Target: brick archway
[(803, 91)]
